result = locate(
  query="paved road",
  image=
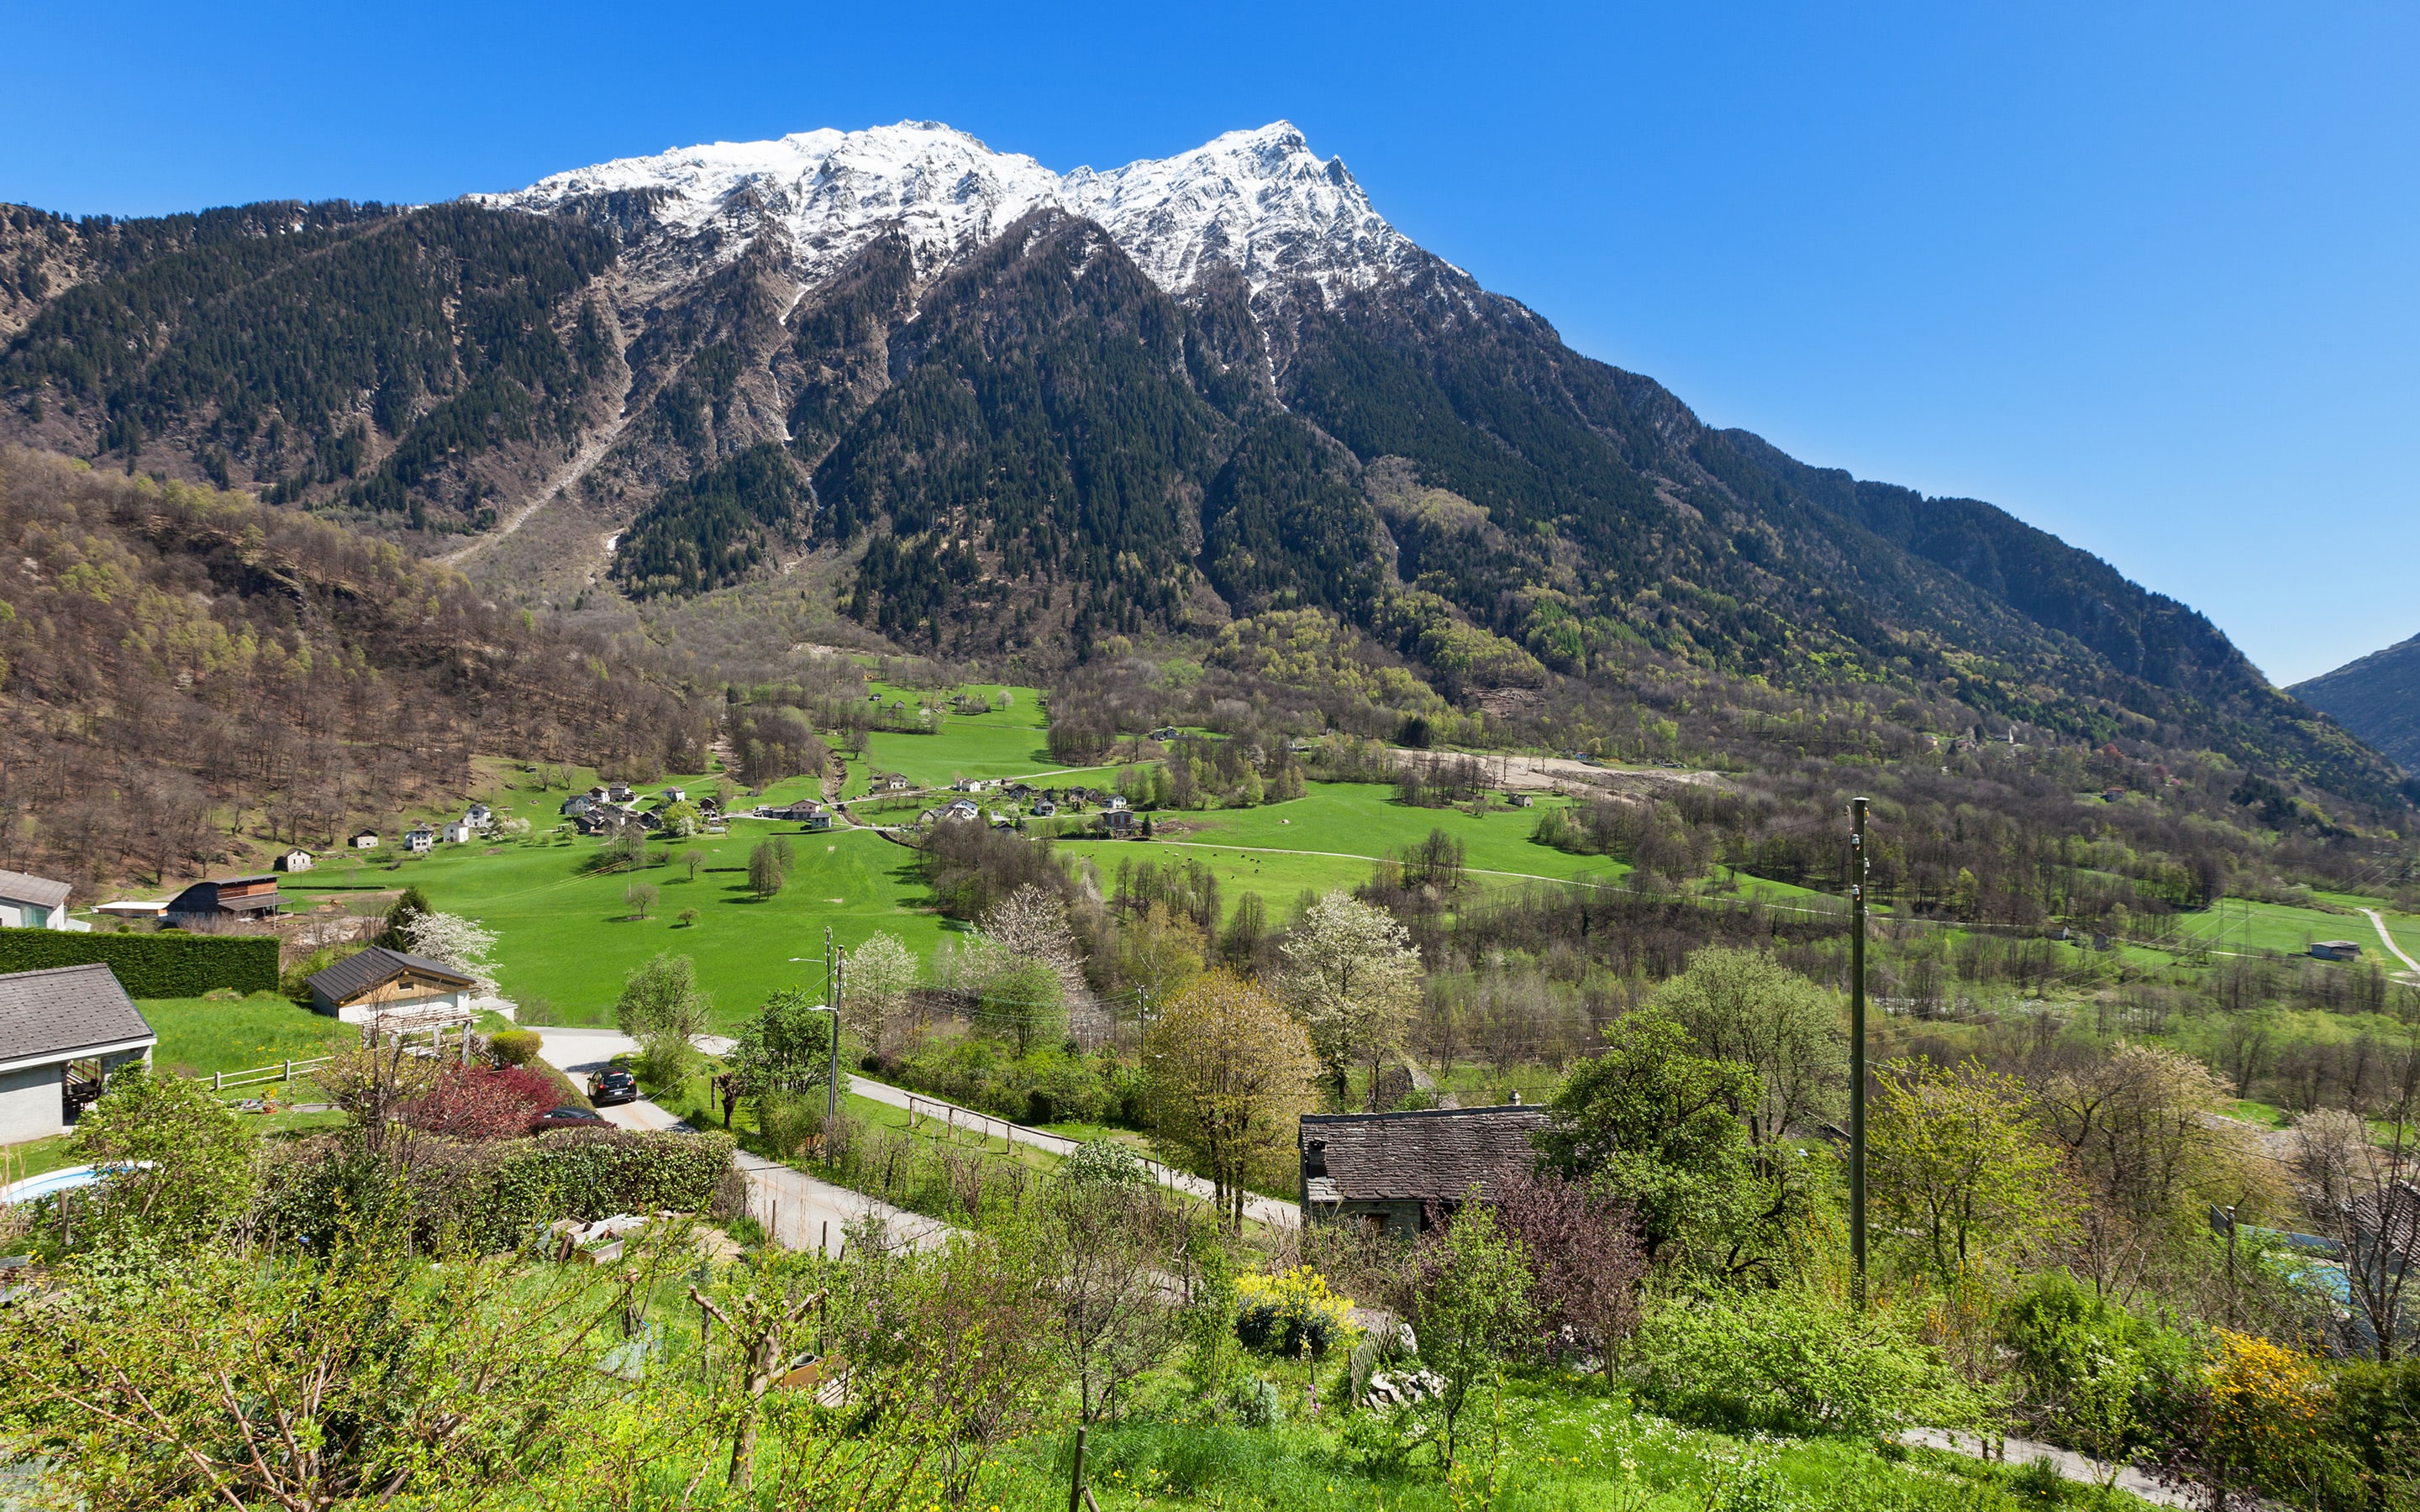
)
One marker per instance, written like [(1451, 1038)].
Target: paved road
[(579, 1051), (798, 1210), (2388, 940), (2073, 1466)]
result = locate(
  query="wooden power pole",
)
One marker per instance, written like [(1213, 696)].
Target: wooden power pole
[(1857, 1050)]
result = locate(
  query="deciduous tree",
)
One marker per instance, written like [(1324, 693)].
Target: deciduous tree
[(1229, 1077), (1352, 977)]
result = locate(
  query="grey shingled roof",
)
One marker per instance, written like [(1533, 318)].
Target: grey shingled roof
[(26, 887), (357, 973), (64, 1009), (1435, 1154)]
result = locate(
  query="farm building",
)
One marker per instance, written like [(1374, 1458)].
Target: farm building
[(294, 860), (28, 901), (62, 1032), (2336, 950), (235, 897), (1385, 1171), (132, 908), (381, 982), (365, 840)]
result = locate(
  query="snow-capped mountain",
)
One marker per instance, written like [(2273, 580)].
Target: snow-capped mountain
[(1260, 200)]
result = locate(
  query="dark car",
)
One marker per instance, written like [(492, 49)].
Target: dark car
[(612, 1084), (568, 1117)]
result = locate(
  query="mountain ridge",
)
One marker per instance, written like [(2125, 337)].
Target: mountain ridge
[(1018, 414)]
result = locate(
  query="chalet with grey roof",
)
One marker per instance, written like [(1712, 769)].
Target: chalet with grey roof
[(379, 982), (62, 1033), (1385, 1171)]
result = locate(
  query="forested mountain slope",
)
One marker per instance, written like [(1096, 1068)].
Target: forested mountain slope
[(1012, 413), (2377, 698), (173, 659)]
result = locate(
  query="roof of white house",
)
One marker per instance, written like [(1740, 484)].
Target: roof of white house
[(375, 967), (26, 887), (57, 1013)]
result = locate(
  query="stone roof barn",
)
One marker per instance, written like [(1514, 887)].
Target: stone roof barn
[(1385, 1170)]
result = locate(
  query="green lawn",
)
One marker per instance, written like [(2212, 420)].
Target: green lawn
[(570, 935), (198, 1036), (2239, 924)]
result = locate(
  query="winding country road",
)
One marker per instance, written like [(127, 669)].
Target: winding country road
[(807, 1204), (2388, 940)]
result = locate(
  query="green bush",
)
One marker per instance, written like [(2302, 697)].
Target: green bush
[(151, 966), (1046, 1085), (1795, 1361), (515, 1047), (789, 1122), (2091, 1375)]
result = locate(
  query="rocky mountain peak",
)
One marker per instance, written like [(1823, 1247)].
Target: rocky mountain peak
[(1260, 200)]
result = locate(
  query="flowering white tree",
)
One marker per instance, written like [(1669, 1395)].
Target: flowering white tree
[(1352, 977), (451, 940)]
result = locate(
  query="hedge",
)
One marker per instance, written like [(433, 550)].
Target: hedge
[(151, 966), (495, 1194)]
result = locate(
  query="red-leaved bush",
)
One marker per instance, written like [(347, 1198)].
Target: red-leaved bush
[(481, 1102), (1585, 1263)]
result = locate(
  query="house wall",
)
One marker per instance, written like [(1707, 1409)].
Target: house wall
[(15, 913), (1403, 1219), (362, 1011), (33, 1104)]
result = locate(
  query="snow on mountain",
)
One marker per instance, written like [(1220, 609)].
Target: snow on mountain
[(1260, 200)]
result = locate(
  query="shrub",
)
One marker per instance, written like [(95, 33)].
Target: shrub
[(1291, 1314), (1105, 1162), (479, 1103), (151, 966), (788, 1122), (1795, 1361), (515, 1047)]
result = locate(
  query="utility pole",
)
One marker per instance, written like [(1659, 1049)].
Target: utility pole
[(838, 956), (1857, 1050)]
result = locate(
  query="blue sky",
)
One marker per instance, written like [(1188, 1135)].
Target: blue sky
[(2142, 274)]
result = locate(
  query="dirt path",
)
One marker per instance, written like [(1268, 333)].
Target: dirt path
[(2388, 940)]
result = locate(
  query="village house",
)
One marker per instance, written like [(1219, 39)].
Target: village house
[(1386, 1171), (62, 1033), (365, 840), (891, 783), (293, 860), (241, 899), (420, 839), (478, 817), (382, 983), (459, 833), (576, 804), (673, 795), (1121, 823), (28, 901)]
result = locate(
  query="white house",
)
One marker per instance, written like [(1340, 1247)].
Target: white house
[(382, 983), (670, 795), (459, 832), (365, 840), (28, 901), (62, 1032), (478, 817), (293, 860), (419, 842)]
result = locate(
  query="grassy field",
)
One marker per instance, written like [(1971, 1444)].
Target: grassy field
[(2239, 924), (198, 1036)]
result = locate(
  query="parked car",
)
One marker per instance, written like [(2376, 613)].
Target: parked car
[(568, 1117), (612, 1084)]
